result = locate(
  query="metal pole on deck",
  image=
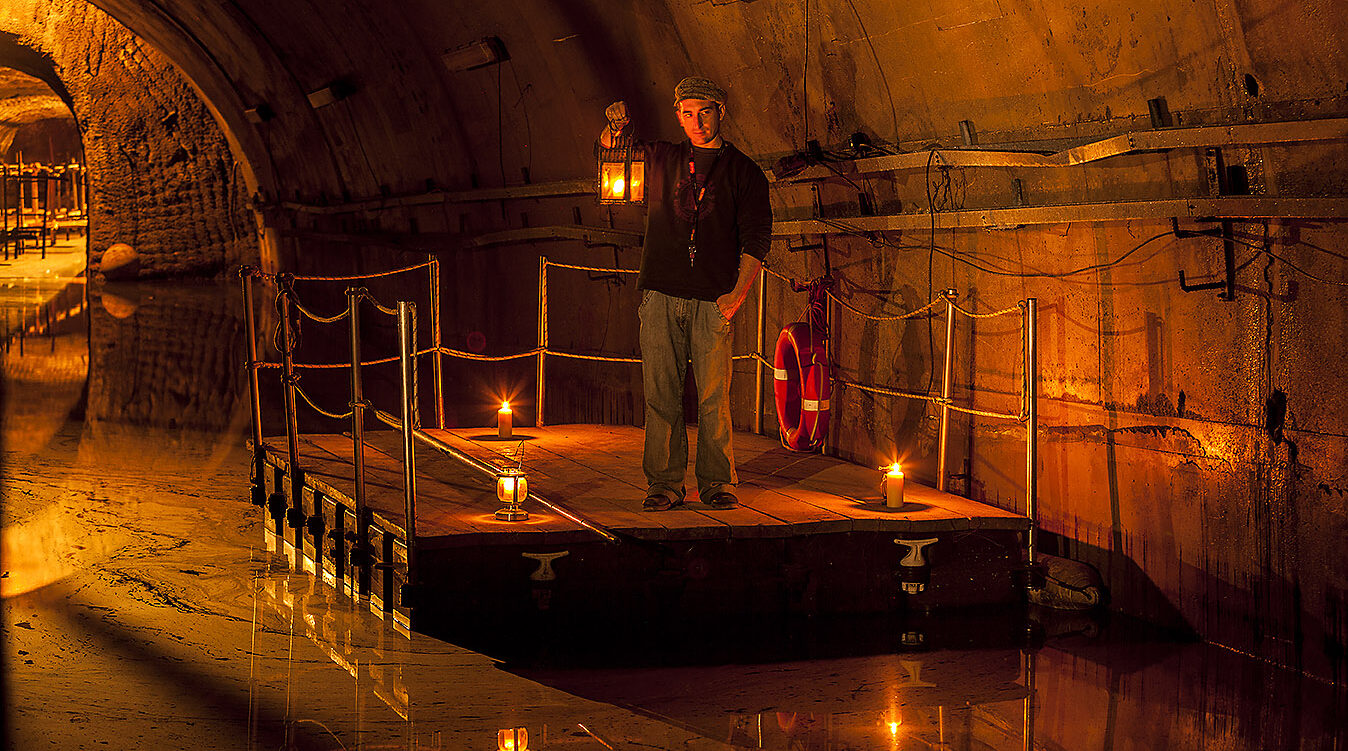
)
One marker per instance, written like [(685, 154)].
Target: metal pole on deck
[(353, 298), (284, 281), (1032, 426), (1027, 734), (437, 365), (254, 389), (946, 375), (407, 347), (542, 334), (758, 362)]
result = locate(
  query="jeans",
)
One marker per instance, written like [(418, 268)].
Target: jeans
[(673, 331)]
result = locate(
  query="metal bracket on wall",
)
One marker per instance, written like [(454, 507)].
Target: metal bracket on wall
[(1228, 254)]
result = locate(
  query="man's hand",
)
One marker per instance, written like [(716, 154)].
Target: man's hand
[(617, 116), (729, 303)]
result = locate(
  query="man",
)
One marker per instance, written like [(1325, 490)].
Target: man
[(708, 227)]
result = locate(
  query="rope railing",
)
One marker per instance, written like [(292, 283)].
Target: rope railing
[(356, 277), (554, 264), (903, 317), (1017, 308), (892, 392), (320, 410), (294, 300)]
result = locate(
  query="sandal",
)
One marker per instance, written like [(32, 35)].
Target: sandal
[(722, 499), (658, 500)]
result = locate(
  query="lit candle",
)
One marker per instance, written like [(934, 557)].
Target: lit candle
[(504, 429), (894, 486)]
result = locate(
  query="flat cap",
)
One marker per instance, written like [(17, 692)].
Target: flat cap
[(695, 87)]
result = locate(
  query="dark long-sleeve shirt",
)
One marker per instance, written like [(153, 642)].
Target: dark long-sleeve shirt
[(733, 217)]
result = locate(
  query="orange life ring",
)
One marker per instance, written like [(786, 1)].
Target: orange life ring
[(802, 385)]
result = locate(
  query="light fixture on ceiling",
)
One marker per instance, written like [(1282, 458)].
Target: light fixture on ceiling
[(481, 53)]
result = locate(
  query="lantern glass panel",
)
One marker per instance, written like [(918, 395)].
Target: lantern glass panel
[(512, 488), (612, 182)]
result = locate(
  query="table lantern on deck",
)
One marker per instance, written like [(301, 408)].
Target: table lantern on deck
[(512, 487), (622, 175)]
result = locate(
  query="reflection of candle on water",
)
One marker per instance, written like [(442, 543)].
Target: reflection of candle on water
[(504, 429), (894, 486)]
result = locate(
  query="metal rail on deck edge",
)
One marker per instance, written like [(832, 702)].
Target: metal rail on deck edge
[(492, 471)]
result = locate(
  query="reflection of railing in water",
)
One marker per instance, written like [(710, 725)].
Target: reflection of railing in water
[(44, 317), (409, 422)]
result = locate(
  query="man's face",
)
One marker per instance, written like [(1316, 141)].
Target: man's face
[(701, 121)]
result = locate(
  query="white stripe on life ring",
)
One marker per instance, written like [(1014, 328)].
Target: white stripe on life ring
[(780, 374), (813, 406)]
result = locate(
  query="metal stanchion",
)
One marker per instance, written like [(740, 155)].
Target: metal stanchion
[(353, 298), (946, 376), (1027, 734), (407, 346), (542, 335), (437, 366), (46, 212), (1032, 425), (758, 363), (254, 388), (284, 281)]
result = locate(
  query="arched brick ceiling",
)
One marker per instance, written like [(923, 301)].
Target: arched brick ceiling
[(1018, 69)]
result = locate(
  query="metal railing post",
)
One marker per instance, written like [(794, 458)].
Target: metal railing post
[(407, 347), (46, 211), (943, 439), (542, 335), (254, 388), (1032, 426), (284, 281), (437, 365), (250, 327), (353, 298), (758, 363)]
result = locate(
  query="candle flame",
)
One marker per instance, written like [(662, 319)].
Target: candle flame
[(505, 406), (618, 185), (895, 470), (893, 728)]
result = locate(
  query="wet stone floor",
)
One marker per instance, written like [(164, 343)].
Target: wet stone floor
[(144, 609)]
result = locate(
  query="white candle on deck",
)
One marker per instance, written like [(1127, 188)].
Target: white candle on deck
[(504, 428), (894, 486)]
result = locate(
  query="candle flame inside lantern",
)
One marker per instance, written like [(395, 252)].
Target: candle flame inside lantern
[(618, 185)]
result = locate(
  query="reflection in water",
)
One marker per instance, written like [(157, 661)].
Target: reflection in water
[(144, 608)]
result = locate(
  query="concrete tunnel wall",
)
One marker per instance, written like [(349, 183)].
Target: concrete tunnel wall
[(1193, 448)]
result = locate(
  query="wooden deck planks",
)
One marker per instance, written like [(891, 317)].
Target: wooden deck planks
[(595, 472)]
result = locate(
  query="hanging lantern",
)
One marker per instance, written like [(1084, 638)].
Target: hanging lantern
[(514, 739), (512, 487), (622, 175)]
